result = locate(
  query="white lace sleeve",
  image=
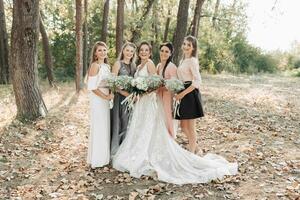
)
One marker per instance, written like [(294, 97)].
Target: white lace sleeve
[(196, 73), (92, 82)]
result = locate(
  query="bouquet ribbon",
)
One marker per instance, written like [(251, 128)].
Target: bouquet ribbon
[(176, 106)]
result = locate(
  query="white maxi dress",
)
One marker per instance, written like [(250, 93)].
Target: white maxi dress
[(99, 138)]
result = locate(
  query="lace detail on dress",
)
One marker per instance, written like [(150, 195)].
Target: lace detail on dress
[(148, 149)]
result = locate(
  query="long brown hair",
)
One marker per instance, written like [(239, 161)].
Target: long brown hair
[(94, 49), (170, 47), (93, 58)]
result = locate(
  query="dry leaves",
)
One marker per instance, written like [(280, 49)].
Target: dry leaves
[(246, 121)]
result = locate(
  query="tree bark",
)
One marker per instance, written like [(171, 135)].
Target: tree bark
[(25, 32), (85, 40), (215, 16), (4, 61), (167, 25), (47, 53), (105, 21), (181, 28), (196, 19), (79, 59), (136, 32), (119, 26)]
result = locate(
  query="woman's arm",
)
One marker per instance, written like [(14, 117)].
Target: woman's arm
[(115, 68), (151, 67), (92, 82), (193, 63)]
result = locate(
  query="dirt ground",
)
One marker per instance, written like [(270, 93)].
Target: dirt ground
[(253, 120)]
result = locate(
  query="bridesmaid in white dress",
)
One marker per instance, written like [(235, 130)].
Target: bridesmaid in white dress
[(99, 138)]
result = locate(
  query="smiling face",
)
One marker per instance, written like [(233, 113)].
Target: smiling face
[(144, 52), (128, 52), (101, 52), (187, 48), (164, 53)]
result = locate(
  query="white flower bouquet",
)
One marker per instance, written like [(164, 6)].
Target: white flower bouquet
[(123, 83), (110, 82), (174, 85)]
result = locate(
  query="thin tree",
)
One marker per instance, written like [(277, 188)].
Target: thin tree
[(196, 19), (120, 26), (25, 32), (167, 25), (85, 39), (181, 28), (137, 30), (79, 59), (216, 12), (4, 61), (105, 21), (47, 52)]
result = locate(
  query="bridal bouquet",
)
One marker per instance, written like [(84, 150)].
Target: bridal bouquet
[(142, 85), (139, 85)]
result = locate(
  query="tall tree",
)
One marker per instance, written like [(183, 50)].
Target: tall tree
[(47, 53), (181, 28), (215, 15), (4, 61), (196, 19), (136, 31), (120, 26), (105, 21), (85, 39), (167, 25), (79, 59), (25, 32)]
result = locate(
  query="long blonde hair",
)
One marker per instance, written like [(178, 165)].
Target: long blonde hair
[(133, 59)]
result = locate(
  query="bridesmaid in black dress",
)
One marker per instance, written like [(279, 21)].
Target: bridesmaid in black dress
[(125, 65), (190, 107)]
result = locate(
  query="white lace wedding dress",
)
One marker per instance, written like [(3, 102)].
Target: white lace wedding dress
[(149, 149)]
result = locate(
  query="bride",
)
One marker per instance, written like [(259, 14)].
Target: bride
[(148, 149)]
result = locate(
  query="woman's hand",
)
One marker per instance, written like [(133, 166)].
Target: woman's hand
[(110, 96), (179, 96), (123, 92)]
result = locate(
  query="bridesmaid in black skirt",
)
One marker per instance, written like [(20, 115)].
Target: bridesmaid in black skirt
[(190, 106)]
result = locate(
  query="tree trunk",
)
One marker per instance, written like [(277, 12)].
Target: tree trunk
[(119, 26), (4, 64), (79, 48), (215, 13), (181, 28), (136, 32), (167, 25), (25, 32), (105, 21), (85, 40), (196, 19), (47, 53)]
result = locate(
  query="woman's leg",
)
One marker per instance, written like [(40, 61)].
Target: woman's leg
[(188, 128), (193, 136)]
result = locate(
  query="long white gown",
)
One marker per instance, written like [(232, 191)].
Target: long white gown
[(148, 149), (99, 138)]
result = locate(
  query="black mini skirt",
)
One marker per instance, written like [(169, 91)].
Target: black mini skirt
[(190, 106)]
